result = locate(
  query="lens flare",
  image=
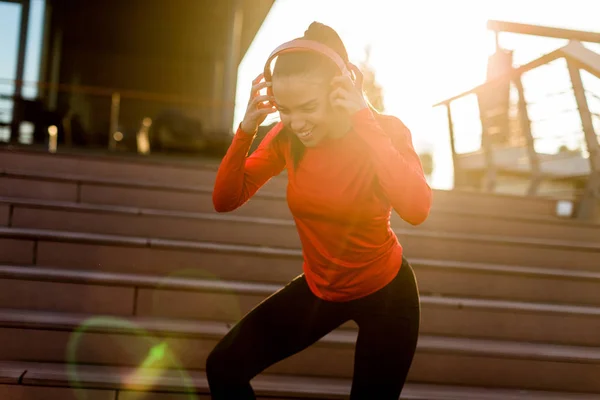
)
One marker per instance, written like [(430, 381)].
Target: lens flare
[(158, 360)]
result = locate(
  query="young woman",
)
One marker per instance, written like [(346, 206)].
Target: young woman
[(347, 168)]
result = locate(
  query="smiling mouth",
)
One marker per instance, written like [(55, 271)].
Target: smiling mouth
[(304, 135)]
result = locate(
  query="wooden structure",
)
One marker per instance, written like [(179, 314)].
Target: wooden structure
[(509, 154)]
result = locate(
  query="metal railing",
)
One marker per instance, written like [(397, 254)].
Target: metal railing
[(113, 118), (545, 136)]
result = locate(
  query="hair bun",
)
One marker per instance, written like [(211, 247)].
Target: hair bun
[(317, 29), (328, 36)]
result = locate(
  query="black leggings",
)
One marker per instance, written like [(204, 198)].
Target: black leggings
[(293, 318)]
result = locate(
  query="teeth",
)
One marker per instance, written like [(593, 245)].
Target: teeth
[(304, 134)]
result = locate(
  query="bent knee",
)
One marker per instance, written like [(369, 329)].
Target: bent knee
[(216, 363), (222, 365)]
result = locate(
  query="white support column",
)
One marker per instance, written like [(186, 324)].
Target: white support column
[(17, 111)]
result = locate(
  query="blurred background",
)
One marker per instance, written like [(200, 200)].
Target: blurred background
[(422, 52)]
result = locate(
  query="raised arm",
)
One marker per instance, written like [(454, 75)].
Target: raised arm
[(399, 171), (388, 144), (239, 176)]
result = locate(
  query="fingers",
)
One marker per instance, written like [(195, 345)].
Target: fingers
[(258, 78), (349, 101), (270, 103), (259, 114), (343, 81), (259, 106), (258, 100), (338, 98), (339, 92), (347, 82), (257, 85), (266, 111), (256, 88), (342, 104), (346, 106)]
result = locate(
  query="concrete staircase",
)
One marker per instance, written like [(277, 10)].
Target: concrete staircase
[(117, 279)]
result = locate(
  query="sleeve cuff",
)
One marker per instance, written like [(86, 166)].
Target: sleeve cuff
[(243, 134)]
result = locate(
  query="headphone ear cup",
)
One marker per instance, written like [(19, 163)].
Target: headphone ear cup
[(358, 75), (270, 93), (268, 78)]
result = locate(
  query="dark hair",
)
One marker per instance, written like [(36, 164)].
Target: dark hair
[(302, 62)]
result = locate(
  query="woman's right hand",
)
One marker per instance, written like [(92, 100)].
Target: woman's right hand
[(258, 106)]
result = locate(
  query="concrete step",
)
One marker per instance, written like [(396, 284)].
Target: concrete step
[(189, 172), (5, 214), (49, 289), (87, 217), (59, 247), (176, 196), (435, 277), (85, 339), (477, 280), (201, 172), (461, 280), (171, 385), (134, 194)]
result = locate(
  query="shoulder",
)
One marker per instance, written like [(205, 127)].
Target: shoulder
[(392, 125)]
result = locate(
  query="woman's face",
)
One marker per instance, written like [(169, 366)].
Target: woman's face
[(304, 106)]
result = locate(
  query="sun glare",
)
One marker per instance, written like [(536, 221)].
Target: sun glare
[(422, 52)]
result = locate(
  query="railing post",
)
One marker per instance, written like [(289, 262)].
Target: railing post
[(591, 195), (114, 120), (488, 152), (457, 172), (525, 124)]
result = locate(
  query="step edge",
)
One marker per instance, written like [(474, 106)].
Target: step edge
[(44, 274), (215, 329)]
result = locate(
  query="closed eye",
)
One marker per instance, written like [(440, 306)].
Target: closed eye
[(309, 106)]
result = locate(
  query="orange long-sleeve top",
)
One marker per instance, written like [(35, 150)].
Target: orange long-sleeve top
[(341, 196)]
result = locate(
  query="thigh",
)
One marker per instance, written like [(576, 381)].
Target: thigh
[(285, 323), (387, 339)]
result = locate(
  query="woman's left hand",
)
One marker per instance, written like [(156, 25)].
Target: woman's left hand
[(347, 95)]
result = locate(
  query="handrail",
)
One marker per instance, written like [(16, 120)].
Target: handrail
[(114, 98), (577, 58), (124, 93), (544, 31), (514, 73), (587, 58)]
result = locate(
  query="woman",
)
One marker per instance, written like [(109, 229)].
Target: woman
[(347, 168)]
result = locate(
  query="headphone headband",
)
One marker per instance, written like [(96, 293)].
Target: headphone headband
[(305, 44), (310, 45)]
